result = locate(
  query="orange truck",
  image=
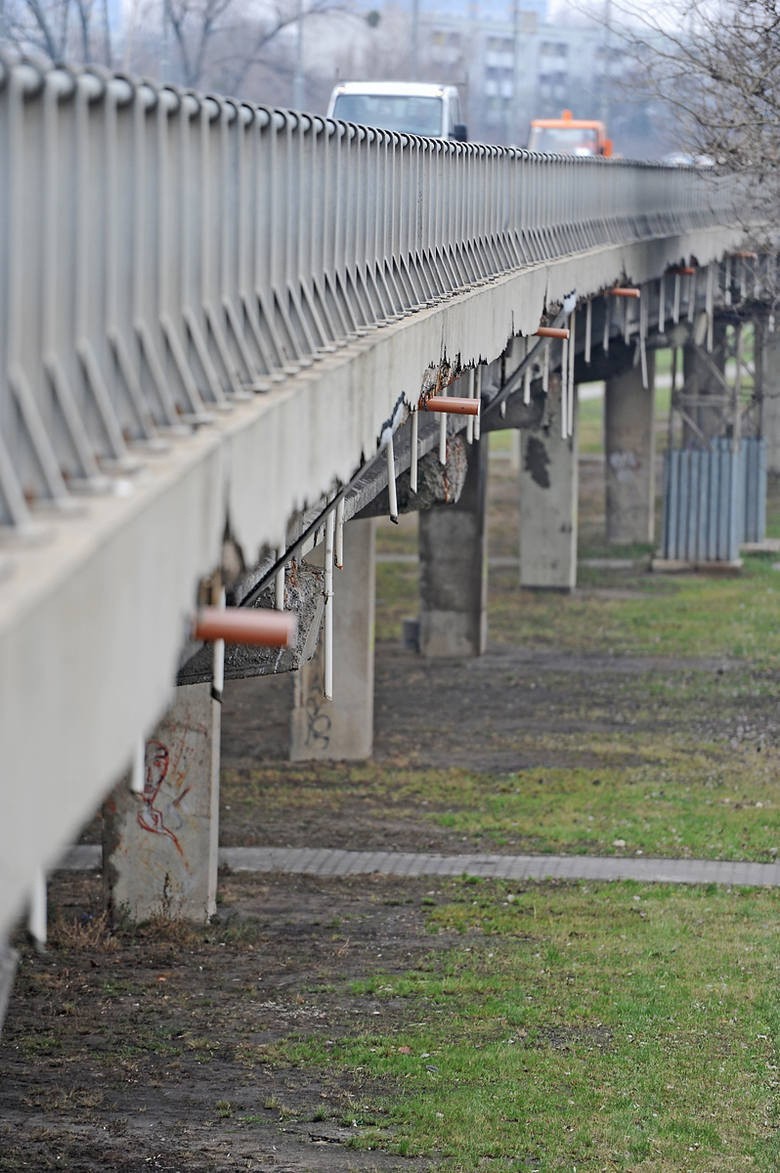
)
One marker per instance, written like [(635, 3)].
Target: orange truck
[(568, 135)]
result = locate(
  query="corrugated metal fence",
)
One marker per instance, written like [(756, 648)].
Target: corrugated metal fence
[(714, 500)]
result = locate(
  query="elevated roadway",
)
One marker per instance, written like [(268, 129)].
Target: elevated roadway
[(210, 312)]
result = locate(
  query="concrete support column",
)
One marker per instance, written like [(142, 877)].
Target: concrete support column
[(9, 959), (342, 728), (453, 568), (629, 438), (160, 847), (768, 371), (548, 501)]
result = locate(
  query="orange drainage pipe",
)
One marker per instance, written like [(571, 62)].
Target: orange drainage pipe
[(259, 626), (623, 291), (551, 332), (684, 271), (451, 403)]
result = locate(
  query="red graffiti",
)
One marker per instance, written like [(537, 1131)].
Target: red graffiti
[(150, 817)]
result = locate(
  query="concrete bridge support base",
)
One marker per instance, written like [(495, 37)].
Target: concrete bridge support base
[(548, 501), (453, 568), (629, 440), (160, 847), (342, 728)]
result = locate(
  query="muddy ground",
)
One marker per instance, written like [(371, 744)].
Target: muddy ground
[(149, 1050)]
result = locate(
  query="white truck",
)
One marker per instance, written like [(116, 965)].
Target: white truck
[(423, 108)]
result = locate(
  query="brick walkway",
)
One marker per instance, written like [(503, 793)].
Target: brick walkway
[(323, 861)]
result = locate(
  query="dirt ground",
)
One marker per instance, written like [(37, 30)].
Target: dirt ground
[(149, 1054), (137, 1052), (150, 1050)]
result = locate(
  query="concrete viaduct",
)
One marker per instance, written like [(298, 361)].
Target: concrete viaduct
[(226, 332)]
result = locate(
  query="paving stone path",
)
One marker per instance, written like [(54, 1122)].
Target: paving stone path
[(322, 861)]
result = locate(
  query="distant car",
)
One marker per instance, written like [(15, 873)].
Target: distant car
[(423, 108), (568, 135)]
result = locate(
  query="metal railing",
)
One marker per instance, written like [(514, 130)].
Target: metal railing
[(164, 253)]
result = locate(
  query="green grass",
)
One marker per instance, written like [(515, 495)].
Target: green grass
[(590, 426), (400, 538), (729, 616), (632, 794), (397, 593), (684, 615), (587, 1027), (647, 810)]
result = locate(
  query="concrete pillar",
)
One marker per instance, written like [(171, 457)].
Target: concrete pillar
[(9, 959), (160, 847), (548, 501), (768, 372), (453, 568), (629, 438), (342, 728)]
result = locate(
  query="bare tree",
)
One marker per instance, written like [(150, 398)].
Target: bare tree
[(200, 44), (59, 30), (218, 42), (716, 65)]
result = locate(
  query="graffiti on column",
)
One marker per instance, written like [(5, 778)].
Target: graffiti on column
[(624, 465), (318, 722), (159, 813)]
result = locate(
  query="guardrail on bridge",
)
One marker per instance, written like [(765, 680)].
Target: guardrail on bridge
[(167, 252)]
